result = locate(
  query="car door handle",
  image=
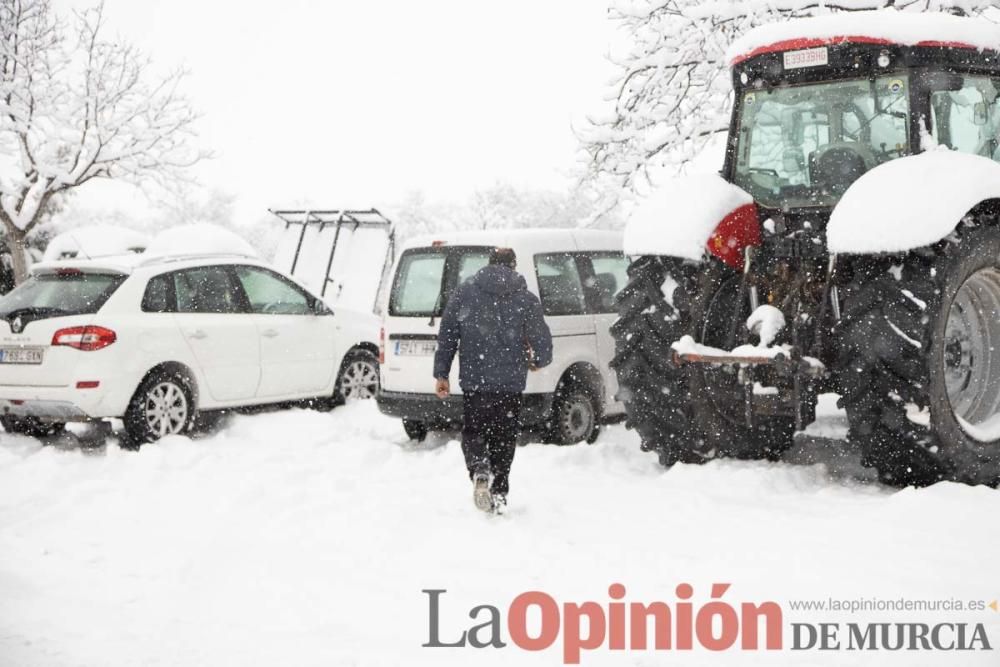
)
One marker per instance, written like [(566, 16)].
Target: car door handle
[(198, 334), (269, 333)]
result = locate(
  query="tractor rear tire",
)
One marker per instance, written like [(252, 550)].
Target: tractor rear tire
[(677, 410), (651, 316), (919, 364)]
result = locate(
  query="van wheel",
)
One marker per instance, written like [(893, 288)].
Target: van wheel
[(415, 430), (574, 417), (162, 406), (31, 426)]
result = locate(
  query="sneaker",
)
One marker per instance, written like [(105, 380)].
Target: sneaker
[(499, 503), (481, 492)]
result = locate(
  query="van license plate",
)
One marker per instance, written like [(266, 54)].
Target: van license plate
[(20, 355), (415, 348)]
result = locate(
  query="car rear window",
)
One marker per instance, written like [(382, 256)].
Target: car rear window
[(426, 276), (63, 293)]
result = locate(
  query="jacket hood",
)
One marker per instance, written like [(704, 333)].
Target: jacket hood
[(495, 279)]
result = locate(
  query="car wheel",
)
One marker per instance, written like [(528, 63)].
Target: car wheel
[(574, 417), (415, 430), (162, 406), (358, 377), (31, 426), (210, 421)]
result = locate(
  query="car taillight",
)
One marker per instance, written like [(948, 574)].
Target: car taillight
[(88, 338), (381, 345)]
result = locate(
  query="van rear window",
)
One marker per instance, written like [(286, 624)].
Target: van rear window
[(418, 284), (426, 277)]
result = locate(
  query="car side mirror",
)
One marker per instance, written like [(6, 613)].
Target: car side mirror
[(320, 308)]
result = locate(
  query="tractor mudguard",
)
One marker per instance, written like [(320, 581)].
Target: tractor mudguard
[(692, 214), (911, 202)]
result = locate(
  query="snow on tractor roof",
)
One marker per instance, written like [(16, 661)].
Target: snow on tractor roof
[(884, 26)]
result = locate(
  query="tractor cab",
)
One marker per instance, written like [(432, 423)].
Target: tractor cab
[(813, 114)]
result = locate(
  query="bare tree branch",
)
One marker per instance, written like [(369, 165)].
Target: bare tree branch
[(76, 106)]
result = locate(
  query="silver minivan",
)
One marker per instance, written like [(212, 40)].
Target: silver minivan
[(576, 274)]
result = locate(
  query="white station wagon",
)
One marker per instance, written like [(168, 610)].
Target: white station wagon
[(155, 341)]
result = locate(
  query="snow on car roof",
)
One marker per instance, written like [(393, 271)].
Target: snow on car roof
[(95, 241), (132, 262), (198, 239), (123, 264), (883, 26)]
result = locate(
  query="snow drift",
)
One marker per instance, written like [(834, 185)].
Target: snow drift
[(302, 538)]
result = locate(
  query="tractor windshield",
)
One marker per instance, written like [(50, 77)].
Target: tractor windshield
[(801, 146)]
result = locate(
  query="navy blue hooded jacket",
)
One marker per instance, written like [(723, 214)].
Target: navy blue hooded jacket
[(491, 320)]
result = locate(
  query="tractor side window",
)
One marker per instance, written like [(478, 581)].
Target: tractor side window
[(968, 119)]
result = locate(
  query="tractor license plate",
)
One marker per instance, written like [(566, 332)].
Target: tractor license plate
[(807, 58), (20, 355), (415, 348)]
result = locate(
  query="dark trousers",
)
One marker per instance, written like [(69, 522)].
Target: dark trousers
[(491, 424)]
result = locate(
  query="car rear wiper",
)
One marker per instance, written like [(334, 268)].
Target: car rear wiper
[(34, 311)]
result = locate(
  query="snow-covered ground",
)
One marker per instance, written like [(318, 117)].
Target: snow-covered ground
[(305, 538)]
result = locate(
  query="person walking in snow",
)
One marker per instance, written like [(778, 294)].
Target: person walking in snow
[(498, 328)]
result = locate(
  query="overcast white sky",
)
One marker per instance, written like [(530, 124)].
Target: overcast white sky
[(359, 102)]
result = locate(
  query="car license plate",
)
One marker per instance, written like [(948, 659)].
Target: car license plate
[(415, 348), (20, 355)]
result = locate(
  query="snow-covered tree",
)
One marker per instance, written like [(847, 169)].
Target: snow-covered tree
[(500, 206), (671, 91), (75, 106)]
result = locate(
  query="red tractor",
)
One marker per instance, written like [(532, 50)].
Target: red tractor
[(850, 244)]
